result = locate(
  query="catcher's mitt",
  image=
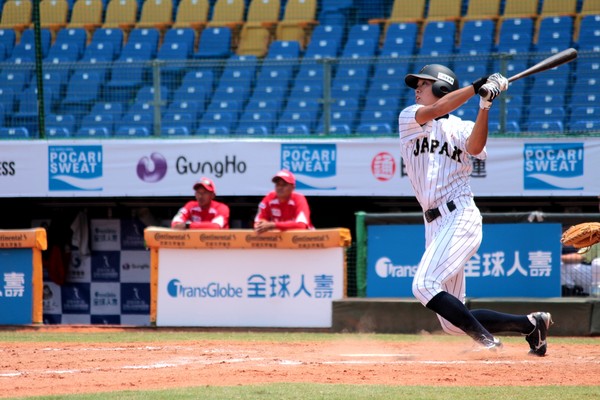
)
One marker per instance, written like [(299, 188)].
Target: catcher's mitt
[(582, 235)]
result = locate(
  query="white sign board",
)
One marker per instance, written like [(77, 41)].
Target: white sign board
[(284, 288)]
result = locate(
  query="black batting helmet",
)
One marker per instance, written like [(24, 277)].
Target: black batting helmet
[(445, 79)]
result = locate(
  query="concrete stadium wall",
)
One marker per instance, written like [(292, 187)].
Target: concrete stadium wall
[(572, 316)]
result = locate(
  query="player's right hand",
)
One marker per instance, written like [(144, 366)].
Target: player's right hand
[(500, 81)]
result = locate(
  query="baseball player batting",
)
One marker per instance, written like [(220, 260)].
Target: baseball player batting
[(437, 148)]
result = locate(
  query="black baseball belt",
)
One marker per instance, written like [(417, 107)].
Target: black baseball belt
[(433, 213)]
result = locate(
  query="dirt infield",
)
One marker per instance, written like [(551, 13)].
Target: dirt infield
[(28, 369)]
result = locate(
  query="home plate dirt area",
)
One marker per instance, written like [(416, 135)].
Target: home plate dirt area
[(45, 368)]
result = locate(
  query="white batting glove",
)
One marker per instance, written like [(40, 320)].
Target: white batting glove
[(500, 81), (492, 92)]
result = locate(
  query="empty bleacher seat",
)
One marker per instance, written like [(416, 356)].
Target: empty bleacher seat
[(214, 42), (477, 37), (516, 35), (438, 38), (400, 39)]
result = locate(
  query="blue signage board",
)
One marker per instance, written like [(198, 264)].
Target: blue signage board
[(16, 293), (514, 260)]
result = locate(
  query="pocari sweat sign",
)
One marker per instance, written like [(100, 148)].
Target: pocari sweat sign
[(75, 168), (553, 166), (314, 165)]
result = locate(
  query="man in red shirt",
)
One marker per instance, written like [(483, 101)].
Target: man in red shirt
[(283, 208), (204, 212)]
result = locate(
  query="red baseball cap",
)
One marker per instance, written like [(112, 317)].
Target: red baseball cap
[(286, 175), (207, 183)]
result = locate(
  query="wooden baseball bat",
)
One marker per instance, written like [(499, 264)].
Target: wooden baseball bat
[(554, 60)]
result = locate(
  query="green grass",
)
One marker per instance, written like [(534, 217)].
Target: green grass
[(303, 391)]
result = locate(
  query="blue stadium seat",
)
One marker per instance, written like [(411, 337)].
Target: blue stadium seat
[(256, 123), (8, 39), (15, 80), (192, 92), (216, 123), (551, 100), (53, 79), (310, 108), (19, 132), (270, 74), (215, 42), (58, 125), (63, 52), (24, 51), (97, 124), (283, 49), (555, 34), (510, 113), (586, 84), (589, 33), (186, 36), (135, 124), (360, 48), (145, 35), (545, 126), (200, 77), (382, 88), (175, 55), (128, 72), (330, 32), (400, 39), (546, 115), (584, 99), (509, 127), (109, 35), (586, 126), (100, 52), (269, 92), (225, 92), (438, 38), (516, 36), (292, 128), (7, 99), (466, 113), (553, 81), (336, 12), (326, 47), (83, 89), (27, 113), (177, 124), (470, 68), (477, 37), (233, 107), (75, 36), (587, 67), (192, 107), (377, 121), (590, 113)]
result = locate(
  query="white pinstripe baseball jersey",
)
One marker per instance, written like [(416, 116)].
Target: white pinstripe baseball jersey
[(435, 156)]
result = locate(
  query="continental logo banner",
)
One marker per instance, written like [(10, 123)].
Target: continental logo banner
[(246, 239), (34, 238)]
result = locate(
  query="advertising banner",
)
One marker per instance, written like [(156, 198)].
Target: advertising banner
[(351, 167), (249, 287), (514, 260)]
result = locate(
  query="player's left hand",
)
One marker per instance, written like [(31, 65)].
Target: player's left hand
[(500, 81)]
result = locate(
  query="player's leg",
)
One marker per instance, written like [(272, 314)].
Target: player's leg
[(441, 269)]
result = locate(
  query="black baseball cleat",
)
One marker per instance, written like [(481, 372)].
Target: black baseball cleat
[(489, 344), (537, 338)]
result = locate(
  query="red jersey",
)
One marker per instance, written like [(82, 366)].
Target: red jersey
[(293, 214), (215, 216)]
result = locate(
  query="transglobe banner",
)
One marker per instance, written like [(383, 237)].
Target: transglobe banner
[(514, 260), (357, 167)]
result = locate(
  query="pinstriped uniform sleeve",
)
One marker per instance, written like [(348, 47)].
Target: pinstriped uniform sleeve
[(408, 127)]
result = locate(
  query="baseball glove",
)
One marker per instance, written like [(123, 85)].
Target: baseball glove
[(582, 235)]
